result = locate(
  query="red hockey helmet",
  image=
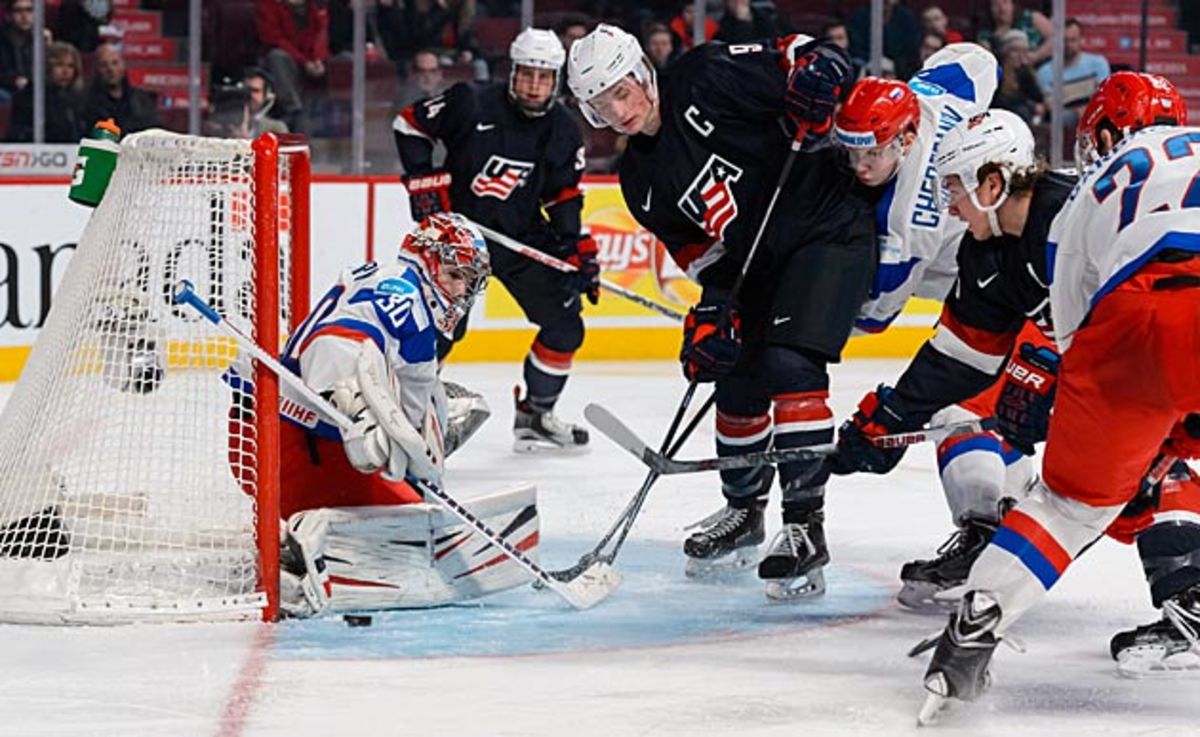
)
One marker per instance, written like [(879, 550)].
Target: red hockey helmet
[(1123, 103), (875, 113), (445, 247)]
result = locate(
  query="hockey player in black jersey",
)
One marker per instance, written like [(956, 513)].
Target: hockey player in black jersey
[(513, 153), (707, 147)]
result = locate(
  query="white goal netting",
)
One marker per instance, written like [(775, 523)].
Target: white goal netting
[(128, 453)]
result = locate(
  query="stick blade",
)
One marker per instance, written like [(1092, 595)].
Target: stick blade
[(615, 430), (592, 586)]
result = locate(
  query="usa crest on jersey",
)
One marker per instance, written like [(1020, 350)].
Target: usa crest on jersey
[(500, 176), (709, 199)]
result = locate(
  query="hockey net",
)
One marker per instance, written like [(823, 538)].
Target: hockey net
[(138, 474)]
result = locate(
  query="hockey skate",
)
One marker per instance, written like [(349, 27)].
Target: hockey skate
[(534, 430), (959, 668), (727, 540), (1165, 647), (935, 584), (794, 567)]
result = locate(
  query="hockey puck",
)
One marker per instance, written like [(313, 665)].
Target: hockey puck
[(357, 620)]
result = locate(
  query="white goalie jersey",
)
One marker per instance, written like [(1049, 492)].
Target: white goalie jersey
[(918, 240), (1141, 199), (372, 302)]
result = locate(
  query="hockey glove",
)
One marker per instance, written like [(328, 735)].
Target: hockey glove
[(586, 280), (815, 85), (879, 413), (428, 194), (1023, 407), (711, 343), (367, 446)]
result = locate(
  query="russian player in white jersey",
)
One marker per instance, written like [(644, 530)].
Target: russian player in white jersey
[(358, 534), (892, 131), (1124, 252)]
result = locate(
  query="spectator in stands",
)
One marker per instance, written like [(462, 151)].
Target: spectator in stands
[(1005, 16), (295, 36), (570, 29), (240, 109), (931, 43), (424, 78), (934, 20), (1018, 90), (429, 24), (112, 96), (64, 116), (86, 23), (16, 48), (659, 45), (901, 36), (837, 32), (683, 24), (1082, 73), (742, 23)]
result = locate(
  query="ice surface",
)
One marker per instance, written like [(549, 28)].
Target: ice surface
[(664, 656)]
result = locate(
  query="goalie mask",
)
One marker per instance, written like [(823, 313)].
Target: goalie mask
[(870, 126), (534, 49), (1126, 102), (453, 258), (997, 137)]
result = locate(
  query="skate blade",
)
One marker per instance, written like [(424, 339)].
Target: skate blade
[(726, 566), (786, 590), (545, 447), (1151, 661), (928, 598)]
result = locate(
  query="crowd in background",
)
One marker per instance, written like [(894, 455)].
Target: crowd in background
[(429, 44)]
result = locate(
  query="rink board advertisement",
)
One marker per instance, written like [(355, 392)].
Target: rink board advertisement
[(360, 218)]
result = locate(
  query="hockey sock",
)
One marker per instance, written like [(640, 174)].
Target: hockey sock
[(737, 435), (802, 418), (1033, 546), (546, 372), (1170, 553)]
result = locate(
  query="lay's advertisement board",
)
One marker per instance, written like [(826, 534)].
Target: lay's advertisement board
[(40, 230)]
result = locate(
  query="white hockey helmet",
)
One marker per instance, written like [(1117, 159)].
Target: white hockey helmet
[(539, 49), (601, 59), (997, 137)]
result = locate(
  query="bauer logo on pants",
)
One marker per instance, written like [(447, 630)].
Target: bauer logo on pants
[(500, 176), (709, 200)]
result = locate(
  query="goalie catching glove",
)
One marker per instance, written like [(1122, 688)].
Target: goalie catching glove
[(879, 413)]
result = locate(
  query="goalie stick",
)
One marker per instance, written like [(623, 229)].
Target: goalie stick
[(558, 264), (620, 433), (583, 592)]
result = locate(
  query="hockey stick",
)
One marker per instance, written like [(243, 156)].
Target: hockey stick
[(546, 259), (625, 521), (583, 592), (620, 433)]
